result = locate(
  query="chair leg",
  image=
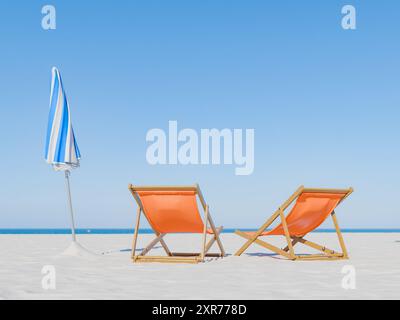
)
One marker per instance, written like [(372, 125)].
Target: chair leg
[(265, 245), (217, 233), (152, 244), (316, 246), (287, 234), (257, 234), (203, 249), (294, 242), (339, 234), (165, 247), (135, 236), (214, 238)]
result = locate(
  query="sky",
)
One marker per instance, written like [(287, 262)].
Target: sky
[(323, 103)]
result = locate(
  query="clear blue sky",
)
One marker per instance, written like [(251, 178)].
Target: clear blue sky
[(324, 103)]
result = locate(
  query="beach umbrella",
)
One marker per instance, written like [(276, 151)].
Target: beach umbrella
[(61, 150)]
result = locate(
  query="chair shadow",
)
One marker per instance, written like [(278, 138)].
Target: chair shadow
[(259, 255), (125, 250), (272, 255)]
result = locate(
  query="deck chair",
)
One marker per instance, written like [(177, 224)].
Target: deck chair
[(174, 210), (311, 209)]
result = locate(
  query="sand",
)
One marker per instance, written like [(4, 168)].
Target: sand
[(256, 275)]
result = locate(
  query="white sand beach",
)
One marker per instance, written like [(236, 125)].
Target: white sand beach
[(256, 275)]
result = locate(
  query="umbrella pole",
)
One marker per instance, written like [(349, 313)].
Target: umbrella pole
[(67, 174)]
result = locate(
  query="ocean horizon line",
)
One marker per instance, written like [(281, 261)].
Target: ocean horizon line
[(64, 231)]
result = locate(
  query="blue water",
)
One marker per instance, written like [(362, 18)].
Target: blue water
[(149, 231)]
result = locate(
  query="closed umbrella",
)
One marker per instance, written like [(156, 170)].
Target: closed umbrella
[(61, 150)]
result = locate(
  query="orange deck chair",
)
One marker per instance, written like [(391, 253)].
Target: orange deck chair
[(174, 210), (311, 209)]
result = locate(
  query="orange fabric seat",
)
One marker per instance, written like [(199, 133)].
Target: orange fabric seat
[(172, 211), (309, 212)]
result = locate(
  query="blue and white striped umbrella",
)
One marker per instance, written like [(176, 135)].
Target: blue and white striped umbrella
[(62, 152), (61, 148)]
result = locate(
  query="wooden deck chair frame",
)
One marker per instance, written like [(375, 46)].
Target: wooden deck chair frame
[(288, 251), (176, 257)]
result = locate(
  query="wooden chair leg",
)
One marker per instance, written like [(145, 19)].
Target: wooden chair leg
[(135, 236), (165, 247), (253, 238), (217, 233), (214, 238), (339, 234), (294, 242), (265, 245), (315, 246), (152, 244), (203, 250), (287, 234)]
